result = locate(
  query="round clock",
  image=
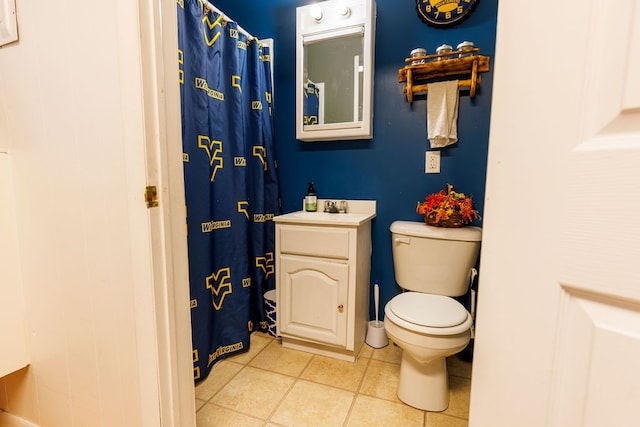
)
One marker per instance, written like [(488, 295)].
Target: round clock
[(443, 13)]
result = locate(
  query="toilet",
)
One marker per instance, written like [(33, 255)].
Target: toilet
[(431, 265)]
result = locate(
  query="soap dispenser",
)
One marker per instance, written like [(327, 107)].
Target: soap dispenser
[(311, 199)]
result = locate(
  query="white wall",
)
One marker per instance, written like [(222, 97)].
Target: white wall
[(71, 117)]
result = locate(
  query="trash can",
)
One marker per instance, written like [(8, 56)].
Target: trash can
[(270, 309)]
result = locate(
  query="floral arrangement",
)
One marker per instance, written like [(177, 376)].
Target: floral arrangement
[(447, 208)]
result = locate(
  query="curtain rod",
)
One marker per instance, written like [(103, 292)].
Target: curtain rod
[(226, 18)]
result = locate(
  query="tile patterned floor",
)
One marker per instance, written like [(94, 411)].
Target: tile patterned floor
[(271, 386)]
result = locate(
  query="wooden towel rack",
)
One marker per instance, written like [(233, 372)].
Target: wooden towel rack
[(443, 65)]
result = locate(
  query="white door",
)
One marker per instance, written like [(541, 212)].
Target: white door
[(558, 321)]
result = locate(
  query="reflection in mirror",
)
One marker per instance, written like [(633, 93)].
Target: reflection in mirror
[(313, 115), (334, 70), (333, 80)]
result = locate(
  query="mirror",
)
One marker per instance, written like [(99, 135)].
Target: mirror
[(333, 88), (334, 70)]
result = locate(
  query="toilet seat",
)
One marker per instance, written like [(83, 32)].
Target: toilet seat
[(430, 314)]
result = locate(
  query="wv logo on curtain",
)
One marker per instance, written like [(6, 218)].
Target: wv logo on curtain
[(231, 181)]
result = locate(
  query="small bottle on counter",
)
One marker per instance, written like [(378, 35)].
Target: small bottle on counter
[(311, 199)]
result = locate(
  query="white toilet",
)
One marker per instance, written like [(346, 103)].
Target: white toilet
[(431, 264)]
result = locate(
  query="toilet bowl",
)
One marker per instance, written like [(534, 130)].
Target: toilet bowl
[(428, 328), (431, 265)]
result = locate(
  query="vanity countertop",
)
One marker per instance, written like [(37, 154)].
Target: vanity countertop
[(360, 211)]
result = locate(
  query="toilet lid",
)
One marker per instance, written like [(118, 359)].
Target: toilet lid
[(436, 311)]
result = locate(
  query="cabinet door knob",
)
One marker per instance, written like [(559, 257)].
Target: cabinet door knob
[(341, 308)]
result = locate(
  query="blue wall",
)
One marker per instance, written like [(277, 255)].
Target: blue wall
[(389, 168)]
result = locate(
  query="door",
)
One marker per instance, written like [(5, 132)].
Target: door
[(313, 299), (558, 320)]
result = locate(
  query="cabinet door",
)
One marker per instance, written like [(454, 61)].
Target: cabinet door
[(313, 299)]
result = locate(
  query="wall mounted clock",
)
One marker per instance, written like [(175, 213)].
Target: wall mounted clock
[(444, 13)]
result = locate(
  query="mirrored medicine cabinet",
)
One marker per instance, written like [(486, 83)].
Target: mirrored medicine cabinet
[(334, 70)]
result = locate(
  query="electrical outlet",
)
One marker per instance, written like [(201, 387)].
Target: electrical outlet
[(432, 162)]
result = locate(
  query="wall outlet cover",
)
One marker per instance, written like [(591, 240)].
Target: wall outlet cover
[(432, 162)]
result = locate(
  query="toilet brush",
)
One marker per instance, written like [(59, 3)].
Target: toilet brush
[(376, 301), (376, 335)]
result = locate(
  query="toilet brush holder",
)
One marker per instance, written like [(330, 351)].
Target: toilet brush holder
[(376, 335)]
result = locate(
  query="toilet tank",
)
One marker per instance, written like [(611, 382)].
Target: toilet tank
[(434, 260)]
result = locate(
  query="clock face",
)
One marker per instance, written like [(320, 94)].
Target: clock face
[(441, 13)]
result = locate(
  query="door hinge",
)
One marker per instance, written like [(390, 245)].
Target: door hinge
[(151, 196)]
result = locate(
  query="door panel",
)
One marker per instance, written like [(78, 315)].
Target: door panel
[(600, 226), (311, 293), (599, 348)]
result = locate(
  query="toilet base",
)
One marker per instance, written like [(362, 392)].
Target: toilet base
[(424, 386)]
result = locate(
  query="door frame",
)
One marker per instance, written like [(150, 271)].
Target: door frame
[(167, 222)]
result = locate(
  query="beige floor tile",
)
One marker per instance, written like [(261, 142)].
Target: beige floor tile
[(336, 373), (365, 351), (458, 367), (459, 391), (221, 373), (391, 353), (258, 341), (372, 412), (217, 416), (381, 380), (253, 392), (246, 390), (309, 404), (435, 419), (285, 361), (199, 404)]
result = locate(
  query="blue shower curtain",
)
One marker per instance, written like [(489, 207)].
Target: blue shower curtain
[(231, 182)]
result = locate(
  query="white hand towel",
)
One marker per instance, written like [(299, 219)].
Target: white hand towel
[(442, 113)]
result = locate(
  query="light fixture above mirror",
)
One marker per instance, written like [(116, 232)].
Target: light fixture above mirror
[(316, 12), (334, 70)]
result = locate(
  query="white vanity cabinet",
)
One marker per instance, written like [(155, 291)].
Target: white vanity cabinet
[(322, 288)]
